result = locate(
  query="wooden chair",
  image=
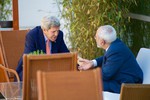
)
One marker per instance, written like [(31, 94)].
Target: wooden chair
[(69, 85), (11, 47), (135, 92), (53, 62)]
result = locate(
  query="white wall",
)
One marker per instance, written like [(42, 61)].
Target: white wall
[(32, 11)]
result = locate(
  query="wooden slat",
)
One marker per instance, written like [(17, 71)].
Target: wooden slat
[(15, 15)]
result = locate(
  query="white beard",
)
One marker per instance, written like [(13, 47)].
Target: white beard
[(99, 46)]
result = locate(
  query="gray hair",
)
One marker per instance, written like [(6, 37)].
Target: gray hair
[(49, 21), (107, 32)]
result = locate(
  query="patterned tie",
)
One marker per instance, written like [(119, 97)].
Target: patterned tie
[(48, 47)]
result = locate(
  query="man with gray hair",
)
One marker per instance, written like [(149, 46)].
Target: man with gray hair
[(118, 64), (46, 38)]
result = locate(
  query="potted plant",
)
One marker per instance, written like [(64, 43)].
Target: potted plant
[(5, 13)]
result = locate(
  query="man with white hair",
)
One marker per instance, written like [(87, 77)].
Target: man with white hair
[(118, 64), (46, 38)]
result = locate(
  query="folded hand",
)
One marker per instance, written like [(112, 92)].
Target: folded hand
[(84, 64)]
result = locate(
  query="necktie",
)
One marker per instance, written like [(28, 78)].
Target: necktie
[(47, 47)]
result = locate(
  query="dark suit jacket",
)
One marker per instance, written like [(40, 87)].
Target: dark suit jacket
[(35, 41), (119, 66)]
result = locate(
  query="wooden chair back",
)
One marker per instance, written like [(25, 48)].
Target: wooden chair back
[(135, 92), (53, 62), (70, 85), (11, 47)]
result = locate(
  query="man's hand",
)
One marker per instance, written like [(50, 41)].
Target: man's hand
[(84, 64)]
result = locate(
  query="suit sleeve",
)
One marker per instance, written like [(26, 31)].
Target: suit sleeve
[(29, 47), (29, 44), (99, 61)]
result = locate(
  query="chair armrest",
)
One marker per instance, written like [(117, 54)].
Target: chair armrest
[(10, 70)]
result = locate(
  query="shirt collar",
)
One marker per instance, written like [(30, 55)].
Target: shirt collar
[(107, 48)]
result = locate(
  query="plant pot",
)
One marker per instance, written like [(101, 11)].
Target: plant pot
[(6, 24)]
